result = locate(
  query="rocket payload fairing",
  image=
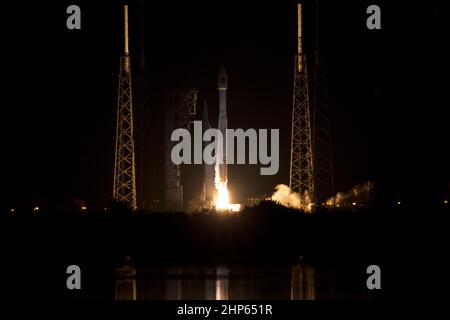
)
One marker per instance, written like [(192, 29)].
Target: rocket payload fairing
[(222, 85)]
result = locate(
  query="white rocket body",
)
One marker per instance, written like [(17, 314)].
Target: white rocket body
[(222, 85)]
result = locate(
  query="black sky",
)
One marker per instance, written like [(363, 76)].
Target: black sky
[(389, 121)]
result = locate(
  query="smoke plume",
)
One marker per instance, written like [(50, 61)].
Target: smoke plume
[(358, 194), (288, 198)]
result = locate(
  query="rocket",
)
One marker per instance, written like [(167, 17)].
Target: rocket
[(222, 85)]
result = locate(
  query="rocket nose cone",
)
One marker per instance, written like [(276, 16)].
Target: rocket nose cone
[(222, 80)]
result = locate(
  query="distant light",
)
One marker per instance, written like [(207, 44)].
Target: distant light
[(354, 204), (445, 201), (338, 205), (399, 202), (83, 208), (106, 209), (12, 210), (36, 209)]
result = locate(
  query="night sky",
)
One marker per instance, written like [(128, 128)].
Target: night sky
[(386, 99)]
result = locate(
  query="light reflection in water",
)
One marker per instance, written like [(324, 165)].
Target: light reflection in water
[(303, 283), (126, 289), (126, 281), (218, 283), (222, 283)]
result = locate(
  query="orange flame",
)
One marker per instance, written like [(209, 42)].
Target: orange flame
[(222, 201)]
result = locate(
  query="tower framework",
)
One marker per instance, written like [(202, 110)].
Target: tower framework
[(181, 107), (124, 189), (301, 167)]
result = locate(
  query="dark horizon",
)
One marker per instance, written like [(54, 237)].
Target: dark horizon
[(61, 118)]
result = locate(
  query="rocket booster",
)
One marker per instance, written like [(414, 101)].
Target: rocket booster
[(222, 85)]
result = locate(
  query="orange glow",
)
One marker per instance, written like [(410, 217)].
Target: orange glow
[(222, 200)]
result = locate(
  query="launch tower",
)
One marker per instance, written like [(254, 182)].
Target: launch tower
[(124, 189), (301, 178)]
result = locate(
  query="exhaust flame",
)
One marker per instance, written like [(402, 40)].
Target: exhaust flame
[(222, 201)]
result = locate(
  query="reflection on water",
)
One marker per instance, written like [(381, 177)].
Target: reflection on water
[(185, 283), (303, 284), (222, 284), (297, 282), (126, 289), (126, 281)]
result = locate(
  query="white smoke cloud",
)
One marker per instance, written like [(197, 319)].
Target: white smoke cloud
[(358, 194), (288, 198)]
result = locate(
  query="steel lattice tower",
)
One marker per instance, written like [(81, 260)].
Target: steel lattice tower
[(301, 167), (181, 107), (124, 189)]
